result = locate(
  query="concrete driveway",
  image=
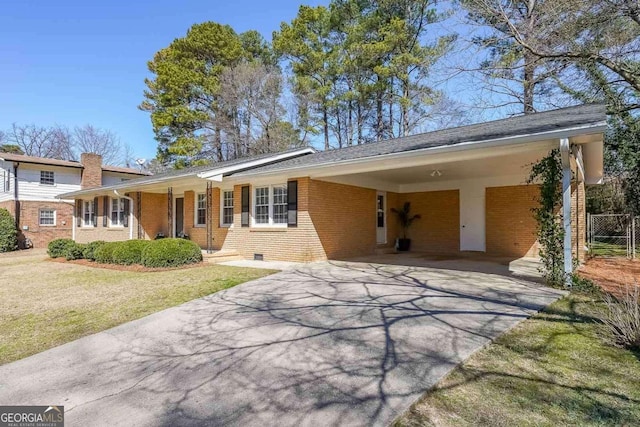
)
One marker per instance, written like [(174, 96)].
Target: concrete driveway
[(338, 343)]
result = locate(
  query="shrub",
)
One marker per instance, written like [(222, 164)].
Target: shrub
[(129, 252), (104, 254), (90, 249), (58, 248), (8, 232), (622, 318), (75, 251), (171, 253)]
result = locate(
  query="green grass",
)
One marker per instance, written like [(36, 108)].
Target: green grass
[(553, 369), (607, 249), (44, 304)]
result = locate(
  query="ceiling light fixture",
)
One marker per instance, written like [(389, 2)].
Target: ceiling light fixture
[(436, 172)]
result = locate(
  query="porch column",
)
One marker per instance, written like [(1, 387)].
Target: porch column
[(209, 222), (170, 211), (565, 154)]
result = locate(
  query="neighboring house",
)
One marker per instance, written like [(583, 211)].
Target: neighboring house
[(468, 183), (31, 186)]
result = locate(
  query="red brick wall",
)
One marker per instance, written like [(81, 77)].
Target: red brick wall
[(92, 172), (39, 235)]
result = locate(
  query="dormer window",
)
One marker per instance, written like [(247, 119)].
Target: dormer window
[(47, 178)]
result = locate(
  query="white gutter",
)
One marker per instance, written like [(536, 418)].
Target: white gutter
[(463, 146), (565, 154), (130, 212), (217, 174)]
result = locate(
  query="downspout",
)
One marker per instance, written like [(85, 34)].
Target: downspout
[(131, 204), (16, 200), (565, 155)]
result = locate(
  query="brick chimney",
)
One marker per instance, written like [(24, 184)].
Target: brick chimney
[(92, 173)]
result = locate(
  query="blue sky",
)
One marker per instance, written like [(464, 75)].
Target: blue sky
[(72, 62)]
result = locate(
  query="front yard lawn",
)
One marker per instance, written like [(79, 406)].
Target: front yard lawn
[(553, 369), (44, 304)]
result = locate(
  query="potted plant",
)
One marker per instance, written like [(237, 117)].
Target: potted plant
[(405, 219)]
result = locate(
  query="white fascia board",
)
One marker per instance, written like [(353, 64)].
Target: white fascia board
[(217, 174), (518, 142)]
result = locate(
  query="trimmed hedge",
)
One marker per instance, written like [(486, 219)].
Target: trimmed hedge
[(129, 252), (91, 248), (150, 253), (58, 248), (75, 251), (104, 254), (171, 253), (8, 232)]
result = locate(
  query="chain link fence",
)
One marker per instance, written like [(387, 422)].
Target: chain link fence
[(613, 235)]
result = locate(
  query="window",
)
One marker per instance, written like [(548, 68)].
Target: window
[(201, 209), (6, 181), (280, 205), (227, 207), (117, 212), (47, 178), (261, 215), (47, 217), (270, 205), (88, 214)]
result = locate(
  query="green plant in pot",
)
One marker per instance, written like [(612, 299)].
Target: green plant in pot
[(405, 219)]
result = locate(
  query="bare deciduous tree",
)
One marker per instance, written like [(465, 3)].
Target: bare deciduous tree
[(89, 139), (53, 142)]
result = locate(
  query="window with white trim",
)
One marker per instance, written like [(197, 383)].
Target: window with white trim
[(6, 181), (117, 212), (47, 178), (227, 208), (201, 209), (280, 204), (88, 214), (47, 217), (270, 207)]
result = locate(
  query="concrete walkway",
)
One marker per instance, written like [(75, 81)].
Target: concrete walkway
[(327, 344)]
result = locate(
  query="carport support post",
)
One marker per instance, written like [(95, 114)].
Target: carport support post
[(565, 154)]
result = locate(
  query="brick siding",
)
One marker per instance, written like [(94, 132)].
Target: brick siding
[(40, 236), (92, 172), (438, 229), (510, 225)]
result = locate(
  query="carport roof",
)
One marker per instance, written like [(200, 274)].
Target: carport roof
[(531, 124)]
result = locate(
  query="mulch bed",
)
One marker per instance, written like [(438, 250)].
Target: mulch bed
[(612, 274), (135, 267)]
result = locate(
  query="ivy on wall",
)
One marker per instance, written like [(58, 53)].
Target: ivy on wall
[(547, 173)]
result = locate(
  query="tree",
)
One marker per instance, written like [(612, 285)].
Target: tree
[(89, 139), (362, 66), (11, 148), (215, 95), (306, 43), (183, 95), (254, 116), (52, 142), (559, 35)]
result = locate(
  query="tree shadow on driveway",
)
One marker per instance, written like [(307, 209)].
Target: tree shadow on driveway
[(336, 343)]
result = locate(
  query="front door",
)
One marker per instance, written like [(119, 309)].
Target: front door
[(472, 218), (179, 216), (381, 218)]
